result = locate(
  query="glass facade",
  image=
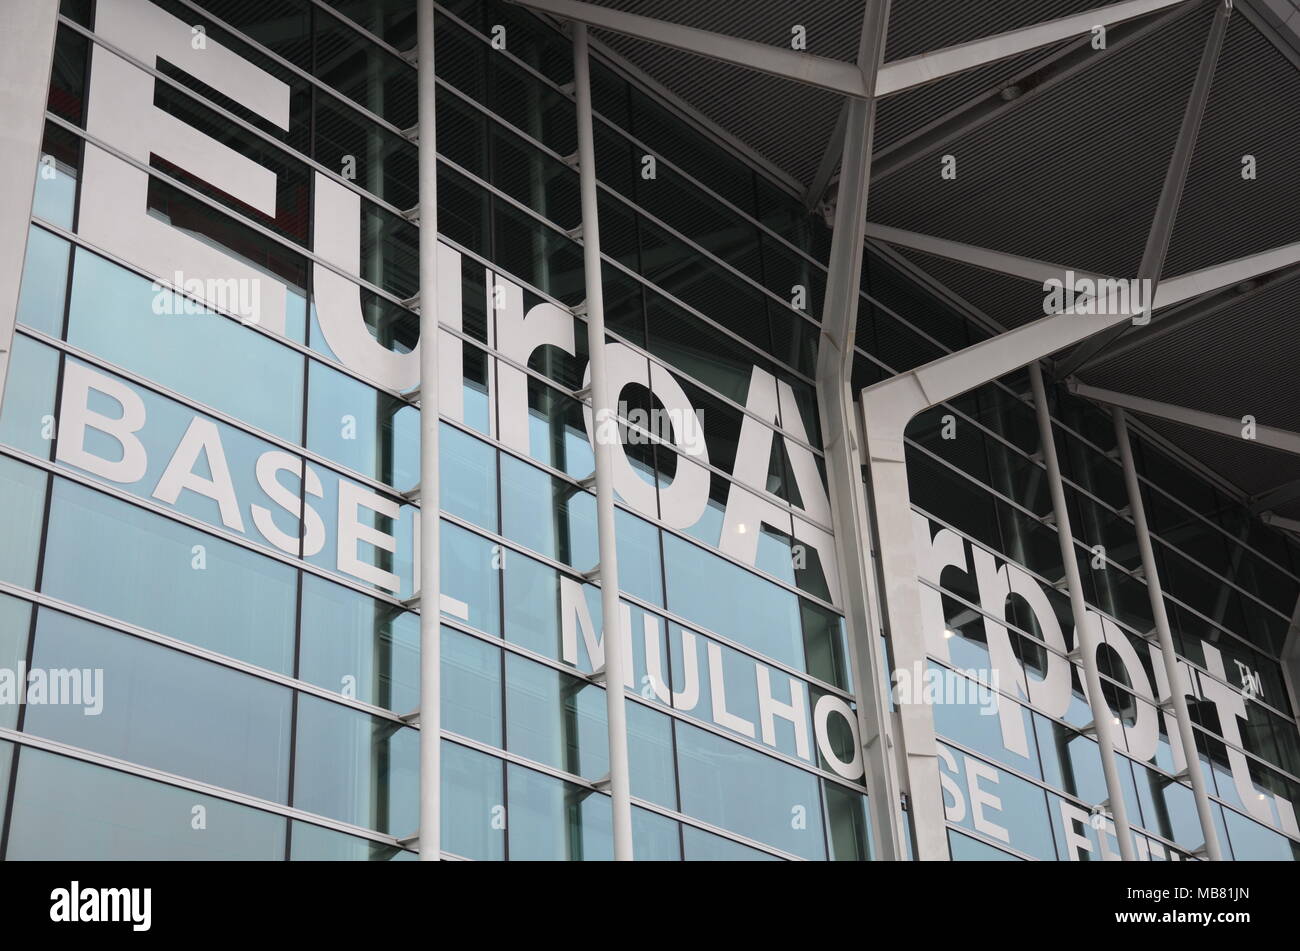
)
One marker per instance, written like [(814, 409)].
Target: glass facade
[(207, 465)]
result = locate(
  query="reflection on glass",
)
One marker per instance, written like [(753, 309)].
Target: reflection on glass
[(205, 356), (356, 768), (22, 500), (27, 413), (133, 565), (551, 820), (743, 791), (358, 646), (63, 807), (158, 707), (45, 282), (473, 804), (471, 687), (312, 843)]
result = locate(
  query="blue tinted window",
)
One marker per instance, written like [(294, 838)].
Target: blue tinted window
[(65, 809), (356, 768), (22, 502), (151, 705), (743, 791), (358, 646), (15, 624), (701, 846), (27, 414), (471, 569), (56, 192), (313, 843), (753, 612), (551, 820), (473, 804), (139, 567), (359, 427), (471, 687), (467, 486), (45, 282), (204, 356)]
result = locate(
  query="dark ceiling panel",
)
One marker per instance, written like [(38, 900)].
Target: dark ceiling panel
[(831, 28), (1238, 361), (921, 26), (787, 123), (1071, 177), (1252, 110)]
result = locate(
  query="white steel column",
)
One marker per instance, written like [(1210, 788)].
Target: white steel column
[(844, 456), (603, 414), (26, 57), (427, 585), (1085, 640), (887, 407), (1170, 659)]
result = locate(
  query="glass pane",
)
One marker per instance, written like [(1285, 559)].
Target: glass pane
[(115, 314), (313, 843), (139, 567), (746, 792), (45, 282), (27, 414), (15, 625), (65, 809), (473, 804), (551, 820), (468, 477), (701, 846), (361, 428), (148, 704), (471, 687), (755, 613), (360, 647), (356, 768), (22, 504)]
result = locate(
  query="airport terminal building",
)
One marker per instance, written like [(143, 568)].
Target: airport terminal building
[(864, 430)]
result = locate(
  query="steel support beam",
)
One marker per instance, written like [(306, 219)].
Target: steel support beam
[(1170, 659), (1279, 495), (26, 61), (1175, 290), (1186, 314), (602, 412), (830, 163), (1277, 521), (1015, 92), (822, 72), (1085, 635), (1271, 436), (1171, 192), (887, 407), (1291, 661), (844, 468), (427, 585), (1030, 269), (927, 67)]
